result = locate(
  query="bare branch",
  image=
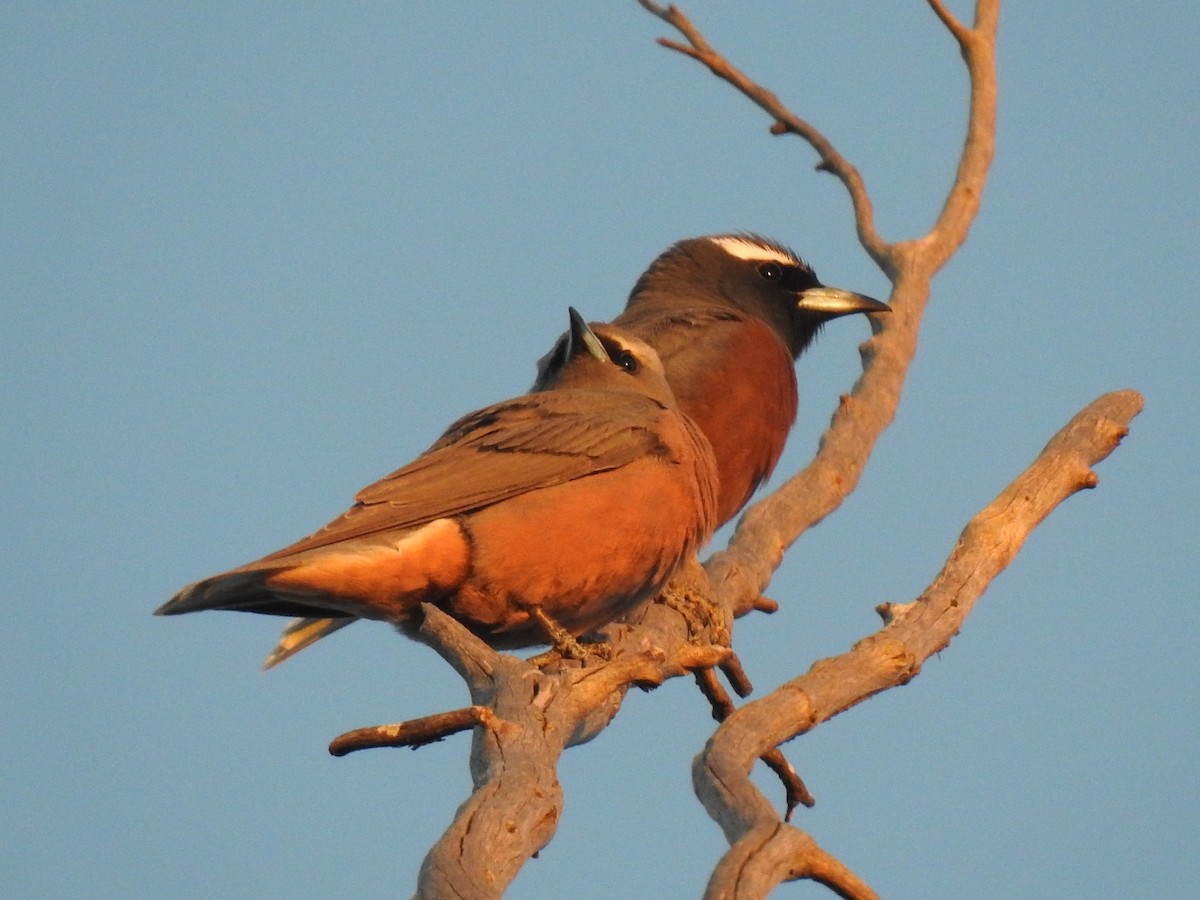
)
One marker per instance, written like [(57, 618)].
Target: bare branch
[(912, 632), (717, 697), (785, 122), (961, 33), (738, 679), (413, 733), (525, 717), (796, 793), (769, 856), (978, 45)]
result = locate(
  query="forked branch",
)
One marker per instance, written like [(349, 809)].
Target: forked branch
[(890, 657)]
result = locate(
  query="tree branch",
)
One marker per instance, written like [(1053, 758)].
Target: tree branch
[(978, 46), (894, 655), (785, 122), (523, 719), (413, 733), (769, 856), (955, 27), (795, 791)]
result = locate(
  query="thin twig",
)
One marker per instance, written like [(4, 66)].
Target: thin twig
[(953, 25), (718, 698), (796, 793), (738, 679), (413, 733), (785, 122)]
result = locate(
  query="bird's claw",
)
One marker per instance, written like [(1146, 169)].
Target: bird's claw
[(565, 644)]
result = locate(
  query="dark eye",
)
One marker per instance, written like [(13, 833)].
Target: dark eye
[(771, 271), (620, 356), (626, 361)]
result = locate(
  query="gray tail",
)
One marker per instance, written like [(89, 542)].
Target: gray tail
[(244, 591)]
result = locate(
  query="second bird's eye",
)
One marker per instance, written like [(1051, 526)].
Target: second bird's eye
[(770, 271), (626, 361)]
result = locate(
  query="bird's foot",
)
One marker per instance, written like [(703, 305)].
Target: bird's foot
[(565, 644), (705, 619)]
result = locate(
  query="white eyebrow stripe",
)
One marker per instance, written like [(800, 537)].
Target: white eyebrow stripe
[(744, 248)]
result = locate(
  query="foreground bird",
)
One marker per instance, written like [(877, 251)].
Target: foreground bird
[(728, 315), (579, 501)]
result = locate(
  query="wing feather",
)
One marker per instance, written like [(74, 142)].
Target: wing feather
[(532, 442)]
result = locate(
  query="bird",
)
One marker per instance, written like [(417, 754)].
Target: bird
[(565, 507), (728, 315)]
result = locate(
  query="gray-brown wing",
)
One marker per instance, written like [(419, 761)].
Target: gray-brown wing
[(500, 452)]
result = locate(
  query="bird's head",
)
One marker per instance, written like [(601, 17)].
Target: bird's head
[(603, 357), (750, 274)]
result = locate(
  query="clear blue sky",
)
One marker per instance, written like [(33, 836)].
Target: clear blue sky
[(254, 259)]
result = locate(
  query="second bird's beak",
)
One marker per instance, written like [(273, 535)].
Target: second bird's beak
[(832, 302), (580, 338)]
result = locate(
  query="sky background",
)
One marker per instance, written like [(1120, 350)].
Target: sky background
[(252, 259)]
